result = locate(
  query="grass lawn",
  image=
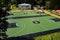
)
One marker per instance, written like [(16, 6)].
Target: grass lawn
[(53, 36)]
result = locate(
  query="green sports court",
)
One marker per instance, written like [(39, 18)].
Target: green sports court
[(25, 23)]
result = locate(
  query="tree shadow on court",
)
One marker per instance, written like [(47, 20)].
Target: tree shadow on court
[(31, 36), (56, 19), (27, 16), (20, 38)]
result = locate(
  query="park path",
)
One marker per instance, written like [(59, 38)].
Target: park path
[(54, 15)]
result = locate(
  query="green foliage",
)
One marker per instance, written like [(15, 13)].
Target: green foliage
[(38, 1), (55, 4), (53, 36), (47, 4), (14, 7)]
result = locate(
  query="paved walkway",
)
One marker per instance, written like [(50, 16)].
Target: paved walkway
[(54, 15)]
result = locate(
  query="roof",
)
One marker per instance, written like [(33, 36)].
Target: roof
[(24, 4)]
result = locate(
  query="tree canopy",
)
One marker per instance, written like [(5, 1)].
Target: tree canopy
[(53, 3)]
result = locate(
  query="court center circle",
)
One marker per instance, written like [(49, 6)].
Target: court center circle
[(36, 22)]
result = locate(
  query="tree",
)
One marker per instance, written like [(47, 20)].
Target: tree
[(3, 14), (55, 4)]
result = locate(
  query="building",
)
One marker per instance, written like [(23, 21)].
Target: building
[(24, 6)]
